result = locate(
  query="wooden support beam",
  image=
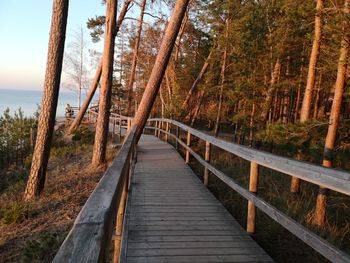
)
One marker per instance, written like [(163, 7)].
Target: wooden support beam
[(155, 126), (253, 188), (177, 134), (167, 130), (188, 143), (119, 223), (207, 158)]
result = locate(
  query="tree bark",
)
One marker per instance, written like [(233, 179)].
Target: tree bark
[(135, 57), (267, 104), (198, 79), (198, 107), (75, 124), (160, 65), (178, 43), (320, 212), (307, 101), (47, 117), (102, 126), (221, 95)]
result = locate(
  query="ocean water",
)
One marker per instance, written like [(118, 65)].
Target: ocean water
[(28, 101)]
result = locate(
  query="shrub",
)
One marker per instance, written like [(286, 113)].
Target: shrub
[(42, 248), (17, 213)]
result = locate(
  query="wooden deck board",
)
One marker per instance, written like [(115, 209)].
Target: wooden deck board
[(172, 217)]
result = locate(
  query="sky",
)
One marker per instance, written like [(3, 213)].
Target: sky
[(24, 35)]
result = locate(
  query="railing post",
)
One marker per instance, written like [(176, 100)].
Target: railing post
[(113, 127), (207, 158), (119, 223), (120, 129), (159, 127), (253, 188), (155, 128), (166, 131), (188, 143), (177, 136), (129, 124)]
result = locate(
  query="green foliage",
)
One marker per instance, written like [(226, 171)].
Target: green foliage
[(308, 135), (15, 136), (17, 213), (42, 248), (83, 135), (96, 25)]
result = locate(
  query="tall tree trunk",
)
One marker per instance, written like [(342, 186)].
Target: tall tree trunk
[(102, 126), (47, 117), (317, 99), (160, 65), (221, 95), (222, 77), (267, 104), (251, 125), (198, 79), (307, 101), (198, 107), (75, 124), (178, 42), (135, 57), (320, 212)]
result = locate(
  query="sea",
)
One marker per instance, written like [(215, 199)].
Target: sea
[(29, 100)]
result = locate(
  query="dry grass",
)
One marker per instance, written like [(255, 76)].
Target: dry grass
[(33, 232)]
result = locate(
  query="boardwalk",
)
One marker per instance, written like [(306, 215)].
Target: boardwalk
[(172, 217)]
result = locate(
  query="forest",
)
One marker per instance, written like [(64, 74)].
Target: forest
[(270, 75)]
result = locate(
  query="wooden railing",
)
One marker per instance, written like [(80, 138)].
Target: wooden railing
[(90, 238), (336, 180)]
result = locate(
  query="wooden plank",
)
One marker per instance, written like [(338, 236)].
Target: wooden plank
[(200, 259), (188, 244), (137, 239), (226, 227), (182, 222), (194, 251)]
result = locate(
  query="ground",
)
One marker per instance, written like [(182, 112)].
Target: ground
[(33, 232)]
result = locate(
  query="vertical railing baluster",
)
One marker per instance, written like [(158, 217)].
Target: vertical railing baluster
[(166, 131), (188, 143), (177, 137), (253, 187), (207, 158)]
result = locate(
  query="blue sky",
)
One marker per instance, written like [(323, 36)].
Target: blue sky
[(24, 32)]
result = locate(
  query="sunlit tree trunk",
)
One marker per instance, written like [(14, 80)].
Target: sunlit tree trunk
[(269, 96), (135, 57), (160, 65), (102, 126), (221, 95), (178, 42), (307, 101), (75, 124), (198, 79), (320, 212), (198, 107), (47, 117)]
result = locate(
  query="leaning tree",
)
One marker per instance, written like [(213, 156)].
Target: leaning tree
[(47, 116)]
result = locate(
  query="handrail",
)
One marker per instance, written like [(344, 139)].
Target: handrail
[(330, 178), (90, 237)]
